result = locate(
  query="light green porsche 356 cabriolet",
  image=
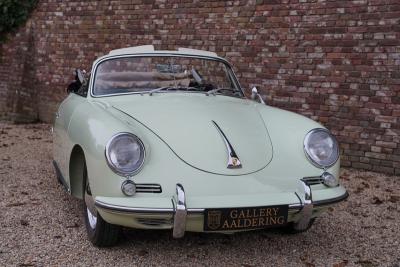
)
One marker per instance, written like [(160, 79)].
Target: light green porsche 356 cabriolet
[(168, 140)]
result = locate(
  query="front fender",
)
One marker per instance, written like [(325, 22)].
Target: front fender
[(287, 131), (91, 127)]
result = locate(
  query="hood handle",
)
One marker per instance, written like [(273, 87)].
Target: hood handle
[(233, 159)]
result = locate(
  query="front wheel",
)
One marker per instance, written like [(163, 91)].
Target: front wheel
[(100, 232)]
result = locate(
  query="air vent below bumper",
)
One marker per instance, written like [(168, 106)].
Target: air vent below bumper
[(154, 221)]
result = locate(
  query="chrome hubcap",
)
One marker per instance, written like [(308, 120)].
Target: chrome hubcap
[(90, 209)]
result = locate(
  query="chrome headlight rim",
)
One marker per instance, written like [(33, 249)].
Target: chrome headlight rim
[(109, 161), (305, 147)]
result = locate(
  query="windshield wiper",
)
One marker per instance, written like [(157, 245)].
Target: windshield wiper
[(220, 89), (160, 89), (186, 88)]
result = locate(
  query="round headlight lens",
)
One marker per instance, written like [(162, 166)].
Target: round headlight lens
[(125, 154), (321, 148)]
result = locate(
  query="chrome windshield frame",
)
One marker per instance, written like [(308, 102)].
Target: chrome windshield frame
[(107, 58)]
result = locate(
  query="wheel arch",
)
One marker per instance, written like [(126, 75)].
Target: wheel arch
[(77, 164)]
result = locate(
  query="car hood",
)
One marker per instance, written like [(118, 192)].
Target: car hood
[(185, 122)]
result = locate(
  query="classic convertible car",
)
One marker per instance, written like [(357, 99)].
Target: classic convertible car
[(167, 140)]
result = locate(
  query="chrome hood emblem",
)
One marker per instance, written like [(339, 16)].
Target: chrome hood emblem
[(233, 159)]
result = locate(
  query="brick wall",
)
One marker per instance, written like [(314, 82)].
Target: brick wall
[(334, 61)]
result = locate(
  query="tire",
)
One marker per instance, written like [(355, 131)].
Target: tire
[(99, 232), (291, 228)]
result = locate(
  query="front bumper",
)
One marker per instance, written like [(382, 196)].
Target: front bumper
[(181, 218)]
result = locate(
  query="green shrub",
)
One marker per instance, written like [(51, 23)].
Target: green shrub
[(14, 13)]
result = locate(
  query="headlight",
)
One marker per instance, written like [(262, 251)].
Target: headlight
[(321, 148), (125, 154)]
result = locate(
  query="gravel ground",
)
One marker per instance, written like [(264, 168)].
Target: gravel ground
[(41, 225)]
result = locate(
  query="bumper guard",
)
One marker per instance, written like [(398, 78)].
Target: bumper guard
[(180, 213), (305, 196)]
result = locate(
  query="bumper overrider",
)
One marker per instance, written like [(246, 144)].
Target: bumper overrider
[(177, 216)]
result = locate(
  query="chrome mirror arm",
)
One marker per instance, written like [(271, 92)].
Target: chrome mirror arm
[(255, 94)]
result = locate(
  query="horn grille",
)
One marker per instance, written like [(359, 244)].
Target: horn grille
[(148, 188), (313, 180)]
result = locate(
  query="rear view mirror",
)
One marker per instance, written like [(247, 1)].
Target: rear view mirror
[(80, 75), (254, 93), (78, 82)]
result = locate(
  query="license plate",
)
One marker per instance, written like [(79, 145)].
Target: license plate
[(233, 219)]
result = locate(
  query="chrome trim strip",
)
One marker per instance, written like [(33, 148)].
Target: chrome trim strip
[(148, 185), (233, 159), (125, 209), (195, 210), (180, 213), (320, 203), (155, 191), (332, 200)]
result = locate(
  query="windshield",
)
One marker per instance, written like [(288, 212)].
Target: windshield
[(149, 74)]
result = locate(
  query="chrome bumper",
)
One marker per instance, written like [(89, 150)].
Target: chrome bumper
[(179, 210)]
